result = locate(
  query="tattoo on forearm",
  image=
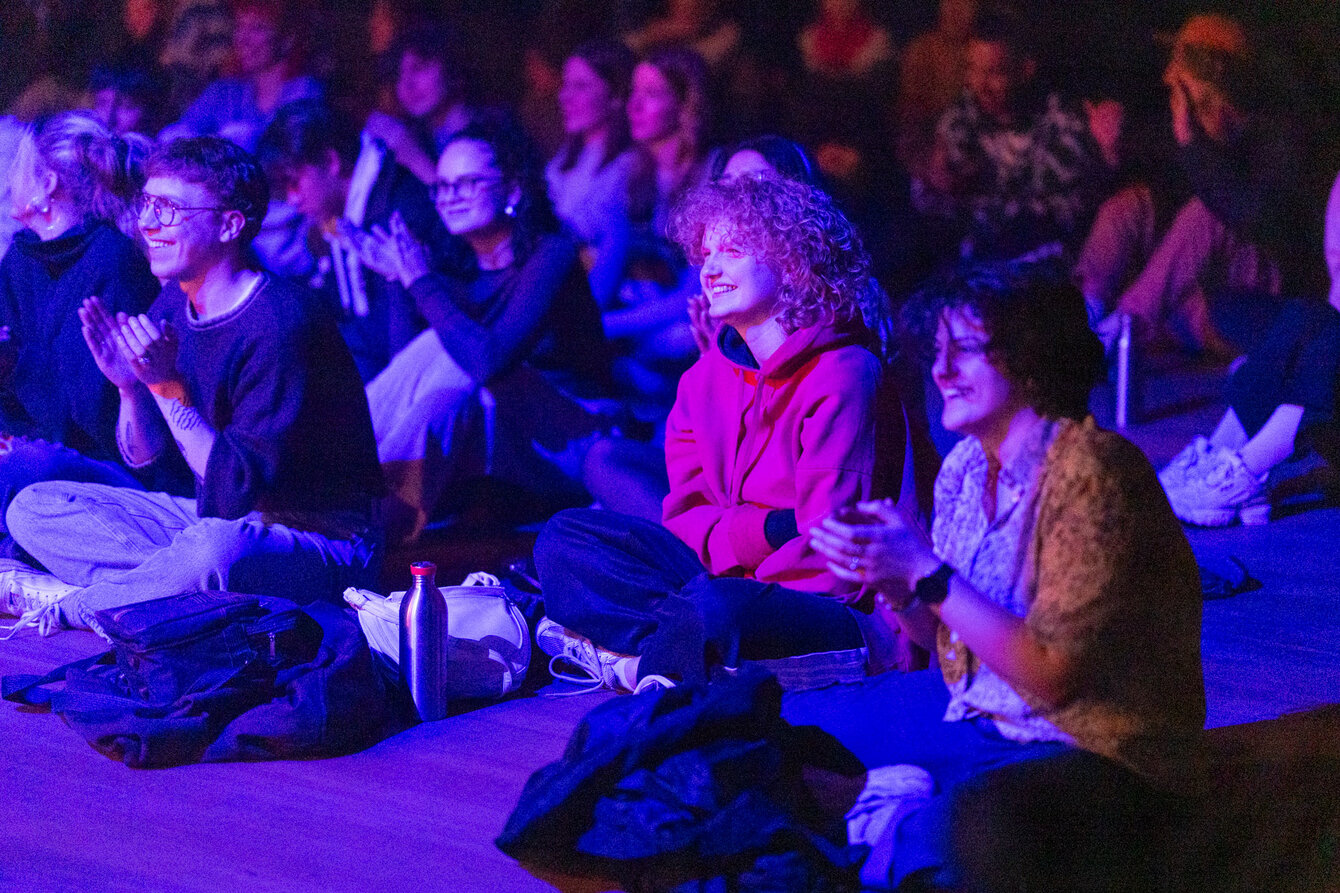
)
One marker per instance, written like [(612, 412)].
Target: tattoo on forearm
[(183, 418)]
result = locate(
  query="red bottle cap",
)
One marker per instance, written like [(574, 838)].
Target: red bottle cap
[(423, 568)]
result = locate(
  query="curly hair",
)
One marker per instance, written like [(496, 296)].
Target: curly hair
[(795, 228), (1037, 326)]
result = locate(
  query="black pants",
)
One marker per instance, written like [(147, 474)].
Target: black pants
[(632, 587)]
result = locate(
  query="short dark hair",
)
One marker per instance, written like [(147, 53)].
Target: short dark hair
[(302, 132), (1037, 326), (224, 168)]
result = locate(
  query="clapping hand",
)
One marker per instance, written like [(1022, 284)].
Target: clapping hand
[(396, 254), (701, 324), (102, 334), (880, 546), (151, 350)]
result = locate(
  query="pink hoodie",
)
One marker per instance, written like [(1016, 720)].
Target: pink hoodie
[(799, 433)]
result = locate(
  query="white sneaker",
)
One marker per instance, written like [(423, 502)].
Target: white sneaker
[(577, 660), (890, 793), (1224, 492), (31, 596), (1189, 463)]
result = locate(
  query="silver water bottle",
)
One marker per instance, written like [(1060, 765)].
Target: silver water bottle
[(423, 642)]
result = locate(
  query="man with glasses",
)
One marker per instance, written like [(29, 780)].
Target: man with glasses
[(344, 186), (248, 381)]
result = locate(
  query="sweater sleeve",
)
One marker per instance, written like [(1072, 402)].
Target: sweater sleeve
[(835, 467), (486, 349), (693, 509)]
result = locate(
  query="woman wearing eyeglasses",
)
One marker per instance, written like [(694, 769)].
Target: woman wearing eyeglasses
[(71, 185), (513, 338)]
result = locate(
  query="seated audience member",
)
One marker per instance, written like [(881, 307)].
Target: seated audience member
[(247, 380), (629, 476), (667, 118), (514, 337), (701, 26), (1057, 589), (932, 73), (269, 52), (71, 184), (1282, 404), (772, 429), (344, 186), (1013, 167), (126, 98), (1252, 211), (268, 48), (589, 177), (432, 89), (844, 42)]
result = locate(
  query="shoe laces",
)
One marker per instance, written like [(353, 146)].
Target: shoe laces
[(581, 655), (35, 606)]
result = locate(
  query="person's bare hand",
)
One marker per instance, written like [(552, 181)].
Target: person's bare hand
[(1182, 107), (888, 554), (411, 257), (701, 324), (374, 249), (102, 335), (1107, 119), (149, 348)]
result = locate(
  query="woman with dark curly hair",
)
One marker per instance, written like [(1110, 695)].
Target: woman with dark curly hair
[(772, 429), (513, 339), (1056, 588)]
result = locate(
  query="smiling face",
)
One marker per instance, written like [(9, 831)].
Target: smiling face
[(470, 194), (185, 250), (586, 101), (992, 77), (980, 400), (653, 106), (742, 290)]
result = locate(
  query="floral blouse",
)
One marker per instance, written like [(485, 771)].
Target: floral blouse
[(1084, 547)]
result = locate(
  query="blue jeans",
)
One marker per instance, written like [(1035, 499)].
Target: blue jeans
[(898, 718), (32, 461), (631, 586), (124, 546)]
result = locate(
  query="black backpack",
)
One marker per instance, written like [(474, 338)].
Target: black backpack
[(212, 676)]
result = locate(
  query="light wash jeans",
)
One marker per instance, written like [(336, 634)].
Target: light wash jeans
[(31, 461), (124, 546)]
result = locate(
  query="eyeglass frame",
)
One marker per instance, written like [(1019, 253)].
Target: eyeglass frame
[(441, 190), (147, 201)]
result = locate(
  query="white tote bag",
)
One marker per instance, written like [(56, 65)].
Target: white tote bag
[(488, 641)]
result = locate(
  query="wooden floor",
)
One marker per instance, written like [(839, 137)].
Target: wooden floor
[(420, 810)]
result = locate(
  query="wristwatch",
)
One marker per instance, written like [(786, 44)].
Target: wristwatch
[(934, 587)]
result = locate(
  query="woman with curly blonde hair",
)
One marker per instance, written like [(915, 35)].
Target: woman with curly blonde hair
[(772, 429)]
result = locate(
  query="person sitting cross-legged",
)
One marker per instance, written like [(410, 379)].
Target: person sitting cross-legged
[(772, 429), (250, 379)]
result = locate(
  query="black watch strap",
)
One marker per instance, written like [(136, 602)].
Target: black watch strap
[(934, 587)]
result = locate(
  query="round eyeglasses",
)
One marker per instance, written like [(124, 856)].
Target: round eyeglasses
[(165, 211)]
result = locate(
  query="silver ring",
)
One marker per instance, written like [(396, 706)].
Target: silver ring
[(854, 564), (143, 361)]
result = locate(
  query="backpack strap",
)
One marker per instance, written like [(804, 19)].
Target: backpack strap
[(31, 691)]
